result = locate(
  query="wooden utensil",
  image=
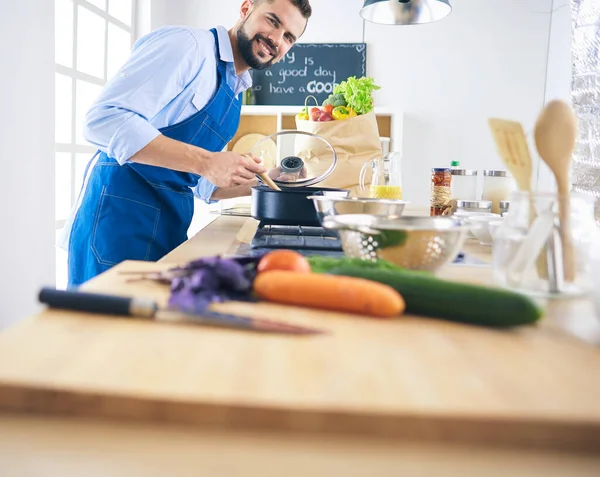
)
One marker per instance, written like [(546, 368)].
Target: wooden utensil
[(513, 148), (268, 181), (555, 134), (265, 178)]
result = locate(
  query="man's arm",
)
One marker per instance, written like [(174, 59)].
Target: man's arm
[(221, 193), (157, 71), (223, 169)]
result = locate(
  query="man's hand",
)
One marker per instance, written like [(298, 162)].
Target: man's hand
[(223, 169), (229, 169)]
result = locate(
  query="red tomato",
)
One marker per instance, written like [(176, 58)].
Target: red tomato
[(284, 260)]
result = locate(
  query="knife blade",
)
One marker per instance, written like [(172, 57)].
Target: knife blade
[(148, 309)]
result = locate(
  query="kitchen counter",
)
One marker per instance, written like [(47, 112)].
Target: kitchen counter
[(525, 400)]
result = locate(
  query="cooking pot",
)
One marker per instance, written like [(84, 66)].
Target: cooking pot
[(289, 206), (303, 160)]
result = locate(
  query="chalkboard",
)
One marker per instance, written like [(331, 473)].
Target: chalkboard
[(308, 69)]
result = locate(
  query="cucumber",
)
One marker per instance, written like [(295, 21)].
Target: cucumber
[(322, 264), (429, 296)]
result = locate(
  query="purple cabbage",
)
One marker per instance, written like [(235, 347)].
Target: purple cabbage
[(212, 280)]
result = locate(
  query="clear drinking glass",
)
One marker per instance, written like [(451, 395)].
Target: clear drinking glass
[(532, 231)]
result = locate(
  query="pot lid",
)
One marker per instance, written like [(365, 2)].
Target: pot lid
[(303, 159)]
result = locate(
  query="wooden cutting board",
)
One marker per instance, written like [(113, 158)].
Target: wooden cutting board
[(406, 378)]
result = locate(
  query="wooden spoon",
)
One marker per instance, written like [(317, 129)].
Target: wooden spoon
[(555, 135)]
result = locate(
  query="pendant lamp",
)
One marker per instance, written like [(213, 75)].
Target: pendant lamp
[(405, 12)]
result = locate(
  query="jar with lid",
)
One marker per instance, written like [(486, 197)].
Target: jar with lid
[(464, 184), (441, 191), (497, 186), (526, 243)]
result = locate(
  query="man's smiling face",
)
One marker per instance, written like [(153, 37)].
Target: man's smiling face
[(268, 31)]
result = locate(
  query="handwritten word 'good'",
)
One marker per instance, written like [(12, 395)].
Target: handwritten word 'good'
[(301, 73)]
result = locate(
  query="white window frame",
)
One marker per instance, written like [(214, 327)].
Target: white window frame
[(73, 148)]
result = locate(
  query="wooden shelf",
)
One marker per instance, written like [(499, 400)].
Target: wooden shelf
[(271, 119)]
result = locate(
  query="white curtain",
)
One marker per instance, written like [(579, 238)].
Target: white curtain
[(586, 97)]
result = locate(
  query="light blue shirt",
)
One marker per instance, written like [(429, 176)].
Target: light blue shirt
[(171, 75)]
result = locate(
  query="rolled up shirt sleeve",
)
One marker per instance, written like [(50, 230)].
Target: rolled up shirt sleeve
[(204, 190), (160, 66)]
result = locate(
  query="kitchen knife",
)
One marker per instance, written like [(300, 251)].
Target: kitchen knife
[(148, 309)]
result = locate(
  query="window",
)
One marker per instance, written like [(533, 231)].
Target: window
[(93, 40)]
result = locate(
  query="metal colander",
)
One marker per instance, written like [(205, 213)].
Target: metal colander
[(416, 243)]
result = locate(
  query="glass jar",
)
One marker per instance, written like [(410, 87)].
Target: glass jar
[(523, 255), (497, 186), (464, 184), (441, 191)]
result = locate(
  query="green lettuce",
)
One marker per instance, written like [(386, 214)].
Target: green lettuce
[(358, 93)]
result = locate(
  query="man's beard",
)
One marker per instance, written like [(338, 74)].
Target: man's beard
[(246, 49)]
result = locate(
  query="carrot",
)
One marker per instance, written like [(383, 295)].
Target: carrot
[(329, 292)]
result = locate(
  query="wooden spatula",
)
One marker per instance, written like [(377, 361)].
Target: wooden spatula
[(555, 134), (513, 148)]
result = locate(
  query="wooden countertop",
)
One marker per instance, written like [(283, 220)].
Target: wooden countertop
[(410, 378)]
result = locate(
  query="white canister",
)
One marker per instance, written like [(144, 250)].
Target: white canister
[(497, 186), (464, 184)]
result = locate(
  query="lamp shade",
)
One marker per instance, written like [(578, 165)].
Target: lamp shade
[(405, 12)]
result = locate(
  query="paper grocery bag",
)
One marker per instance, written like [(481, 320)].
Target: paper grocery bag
[(356, 141)]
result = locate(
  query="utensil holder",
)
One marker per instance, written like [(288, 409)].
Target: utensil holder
[(519, 241)]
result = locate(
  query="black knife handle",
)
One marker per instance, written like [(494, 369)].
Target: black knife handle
[(96, 303)]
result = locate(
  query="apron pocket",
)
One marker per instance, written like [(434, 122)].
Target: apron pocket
[(124, 229)]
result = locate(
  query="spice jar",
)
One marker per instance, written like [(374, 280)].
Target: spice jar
[(464, 184), (441, 192), (497, 186)]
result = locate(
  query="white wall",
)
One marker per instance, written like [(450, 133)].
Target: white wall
[(26, 155), (488, 58), (558, 81)]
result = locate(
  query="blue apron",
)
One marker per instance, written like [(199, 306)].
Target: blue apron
[(141, 212)]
